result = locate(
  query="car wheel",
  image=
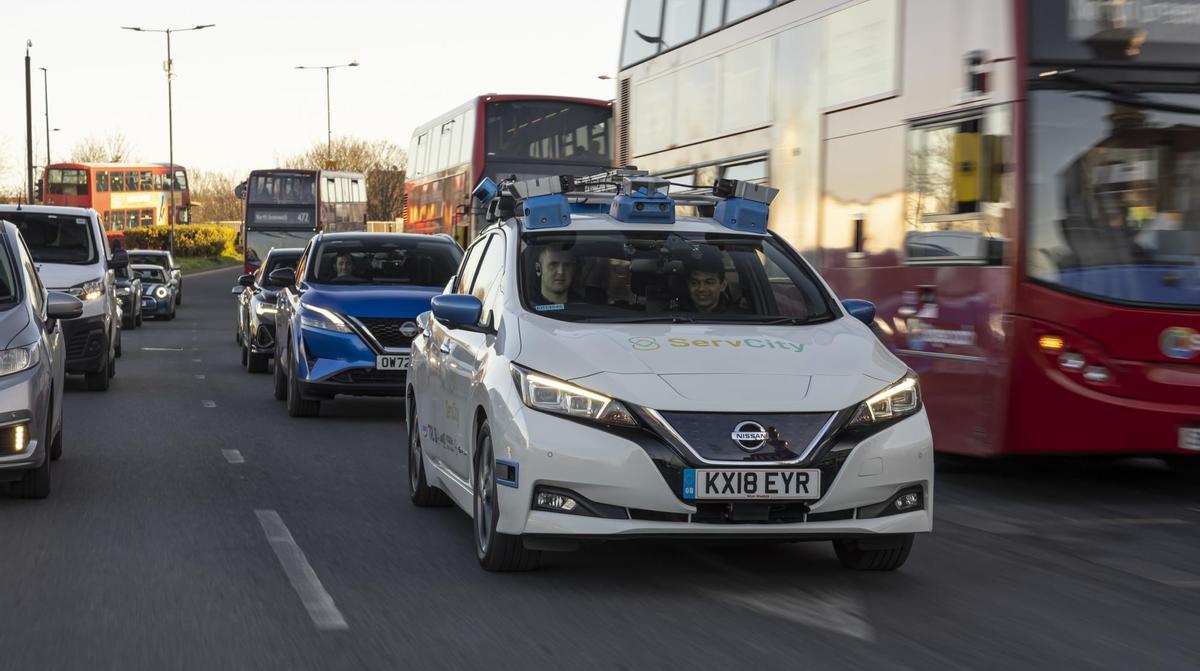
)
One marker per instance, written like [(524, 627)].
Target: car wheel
[(179, 297), (496, 551), (112, 367), (245, 355), (117, 349), (297, 405), (98, 380), (171, 314), (419, 490), (280, 390), (886, 553), (256, 363), (140, 318), (128, 323), (56, 446)]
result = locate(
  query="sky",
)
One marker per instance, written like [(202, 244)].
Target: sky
[(240, 104)]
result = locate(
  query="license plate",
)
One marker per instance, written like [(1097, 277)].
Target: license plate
[(703, 483), (392, 362), (1189, 439)]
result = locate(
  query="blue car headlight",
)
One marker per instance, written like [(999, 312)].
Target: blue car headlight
[(314, 317)]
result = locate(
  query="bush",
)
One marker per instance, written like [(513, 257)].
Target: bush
[(190, 239)]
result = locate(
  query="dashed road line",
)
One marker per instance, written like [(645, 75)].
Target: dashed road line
[(199, 376), (233, 456), (208, 404), (197, 360), (162, 349), (321, 608)]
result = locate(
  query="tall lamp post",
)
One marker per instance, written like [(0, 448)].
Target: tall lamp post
[(328, 113), (170, 118), (46, 92)]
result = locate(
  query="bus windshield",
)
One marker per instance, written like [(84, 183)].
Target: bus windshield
[(656, 276), (546, 130), (1115, 194), (282, 189), (258, 243)]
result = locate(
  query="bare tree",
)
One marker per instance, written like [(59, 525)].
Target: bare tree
[(383, 163), (112, 148), (213, 199)]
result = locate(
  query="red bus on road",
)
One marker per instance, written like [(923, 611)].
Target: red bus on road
[(127, 195), (1015, 184), (494, 136), (285, 207)]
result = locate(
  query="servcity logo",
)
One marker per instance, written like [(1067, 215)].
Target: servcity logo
[(650, 344), (1179, 342)]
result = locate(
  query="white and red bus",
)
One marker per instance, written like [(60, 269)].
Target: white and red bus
[(127, 195), (1014, 183), (284, 207), (498, 136)]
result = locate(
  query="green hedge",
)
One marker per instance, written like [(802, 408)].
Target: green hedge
[(190, 239)]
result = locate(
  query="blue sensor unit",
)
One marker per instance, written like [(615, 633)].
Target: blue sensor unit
[(486, 190), (547, 211), (741, 214), (639, 209)]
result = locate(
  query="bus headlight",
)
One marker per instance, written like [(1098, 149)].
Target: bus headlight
[(552, 395), (320, 318), (899, 400)]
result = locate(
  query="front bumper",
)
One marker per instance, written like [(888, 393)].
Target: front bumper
[(630, 474), (157, 307), (25, 399), (87, 345), (342, 363)]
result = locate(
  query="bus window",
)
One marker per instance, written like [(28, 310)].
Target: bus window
[(117, 180), (101, 181), (158, 182), (644, 17), (681, 21), (468, 134), (736, 9), (147, 217), (147, 181), (421, 153), (544, 129), (181, 183), (118, 220), (714, 11), (75, 182), (56, 180)]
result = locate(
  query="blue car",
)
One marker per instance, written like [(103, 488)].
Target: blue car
[(347, 314)]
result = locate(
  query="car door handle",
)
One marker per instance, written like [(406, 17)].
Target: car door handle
[(445, 348)]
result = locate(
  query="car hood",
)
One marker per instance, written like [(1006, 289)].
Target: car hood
[(65, 275), (714, 367), (372, 301)]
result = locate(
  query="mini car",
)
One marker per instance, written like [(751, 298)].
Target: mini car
[(165, 260), (256, 309), (158, 293), (600, 368), (346, 316), (128, 289), (32, 366)]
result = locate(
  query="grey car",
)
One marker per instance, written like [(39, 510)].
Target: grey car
[(32, 366)]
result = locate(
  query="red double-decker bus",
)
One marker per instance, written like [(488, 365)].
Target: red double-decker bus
[(1015, 184), (495, 136), (127, 195)]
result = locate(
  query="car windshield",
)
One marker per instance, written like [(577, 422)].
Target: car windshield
[(426, 262), (649, 276), (8, 283), (56, 238), (159, 260), (150, 275)]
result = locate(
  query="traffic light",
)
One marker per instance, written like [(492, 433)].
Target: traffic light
[(37, 192)]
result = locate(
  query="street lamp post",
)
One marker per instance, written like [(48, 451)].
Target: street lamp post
[(46, 92), (328, 105), (170, 118)]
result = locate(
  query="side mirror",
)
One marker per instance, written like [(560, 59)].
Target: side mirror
[(62, 306), (863, 311), (237, 290), (120, 259), (282, 277), (246, 280), (457, 311)]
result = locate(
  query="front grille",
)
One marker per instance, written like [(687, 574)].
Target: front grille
[(711, 434), (387, 330), (370, 376), (77, 344)]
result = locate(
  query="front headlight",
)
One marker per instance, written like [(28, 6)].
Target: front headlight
[(264, 310), (320, 318), (18, 359), (549, 394), (899, 400), (123, 291), (161, 292), (88, 291)]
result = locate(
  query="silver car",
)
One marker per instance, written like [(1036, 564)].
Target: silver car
[(31, 368)]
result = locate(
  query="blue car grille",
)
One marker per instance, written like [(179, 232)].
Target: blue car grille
[(387, 330)]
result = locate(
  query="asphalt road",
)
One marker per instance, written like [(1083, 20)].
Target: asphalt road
[(157, 551)]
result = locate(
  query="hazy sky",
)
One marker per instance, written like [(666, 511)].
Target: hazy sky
[(239, 103)]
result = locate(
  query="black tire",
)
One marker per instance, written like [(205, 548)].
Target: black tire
[(495, 551), (256, 363), (280, 390), (140, 318), (886, 553), (171, 314), (117, 349), (179, 296), (419, 490), (297, 405), (128, 323), (245, 354), (100, 379), (56, 446)]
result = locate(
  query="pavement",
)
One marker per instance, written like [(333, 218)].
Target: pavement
[(194, 525)]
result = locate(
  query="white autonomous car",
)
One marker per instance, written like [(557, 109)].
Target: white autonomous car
[(603, 369)]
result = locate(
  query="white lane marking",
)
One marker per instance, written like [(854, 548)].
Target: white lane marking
[(197, 360), (233, 456), (836, 608), (208, 404), (162, 349), (199, 376), (316, 600)]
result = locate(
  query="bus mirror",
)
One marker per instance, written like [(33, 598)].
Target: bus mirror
[(240, 191), (185, 216)]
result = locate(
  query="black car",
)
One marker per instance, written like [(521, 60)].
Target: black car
[(164, 260), (256, 309), (128, 288)]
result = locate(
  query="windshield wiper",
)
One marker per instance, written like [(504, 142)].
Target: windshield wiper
[(657, 319)]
